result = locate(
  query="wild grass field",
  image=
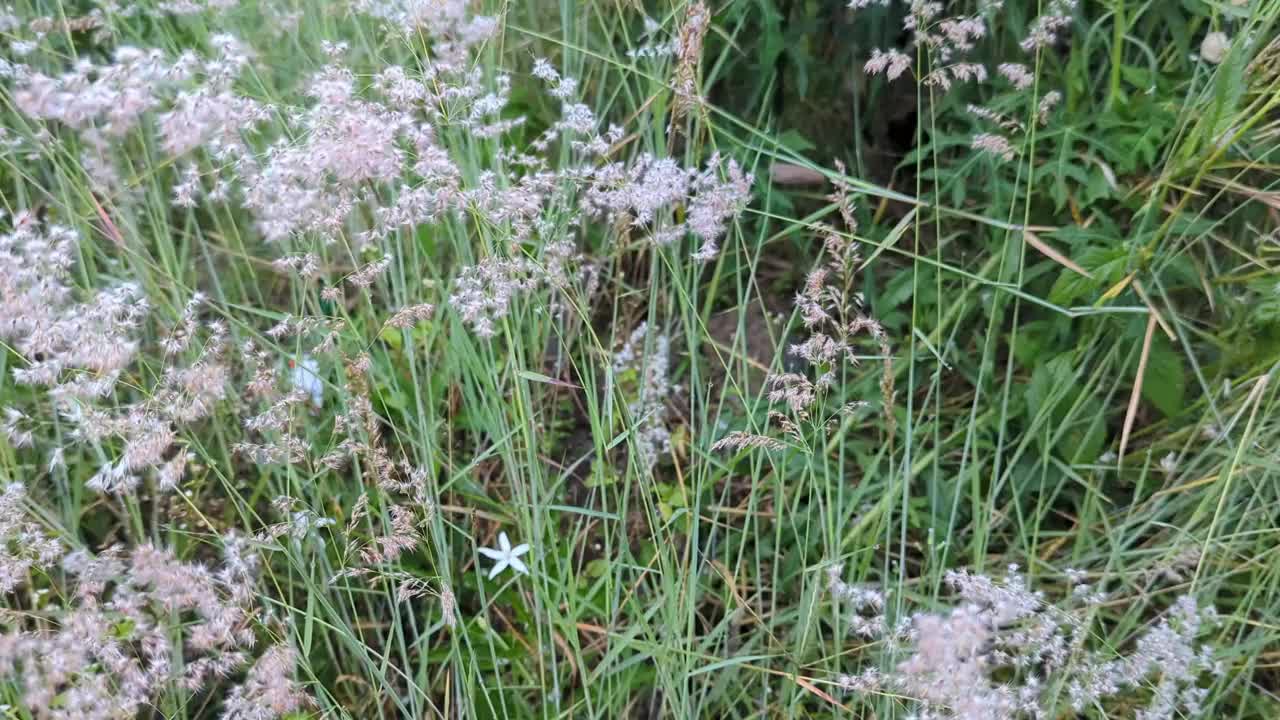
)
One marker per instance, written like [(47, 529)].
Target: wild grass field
[(617, 359)]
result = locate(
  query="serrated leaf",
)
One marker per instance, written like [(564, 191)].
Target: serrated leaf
[(1106, 266)]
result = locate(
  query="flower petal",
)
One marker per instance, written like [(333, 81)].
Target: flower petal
[(518, 565), (491, 553), (520, 549), (502, 565), (504, 542)]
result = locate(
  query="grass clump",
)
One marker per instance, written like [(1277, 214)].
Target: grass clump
[(448, 358)]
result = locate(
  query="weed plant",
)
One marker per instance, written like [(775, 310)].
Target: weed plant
[(771, 358)]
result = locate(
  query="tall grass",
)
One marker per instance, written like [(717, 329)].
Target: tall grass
[(1075, 373)]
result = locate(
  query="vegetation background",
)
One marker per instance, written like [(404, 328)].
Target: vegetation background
[(1079, 374)]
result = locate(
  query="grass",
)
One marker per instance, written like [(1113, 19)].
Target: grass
[(1097, 393)]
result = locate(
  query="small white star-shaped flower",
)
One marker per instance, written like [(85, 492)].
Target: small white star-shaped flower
[(506, 556)]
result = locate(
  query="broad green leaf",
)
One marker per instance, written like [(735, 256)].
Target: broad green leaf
[(1165, 382)]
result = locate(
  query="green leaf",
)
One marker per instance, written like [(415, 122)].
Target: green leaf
[(540, 378), (393, 398), (1107, 266), (1075, 426), (602, 473), (1098, 188), (1033, 340), (1165, 382), (392, 337), (794, 141), (124, 629)]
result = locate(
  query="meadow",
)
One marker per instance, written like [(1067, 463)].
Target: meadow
[(376, 359)]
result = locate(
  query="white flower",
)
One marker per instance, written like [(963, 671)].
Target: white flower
[(304, 378), (506, 556)]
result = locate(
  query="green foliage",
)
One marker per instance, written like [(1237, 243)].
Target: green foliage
[(1073, 420), (697, 587)]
